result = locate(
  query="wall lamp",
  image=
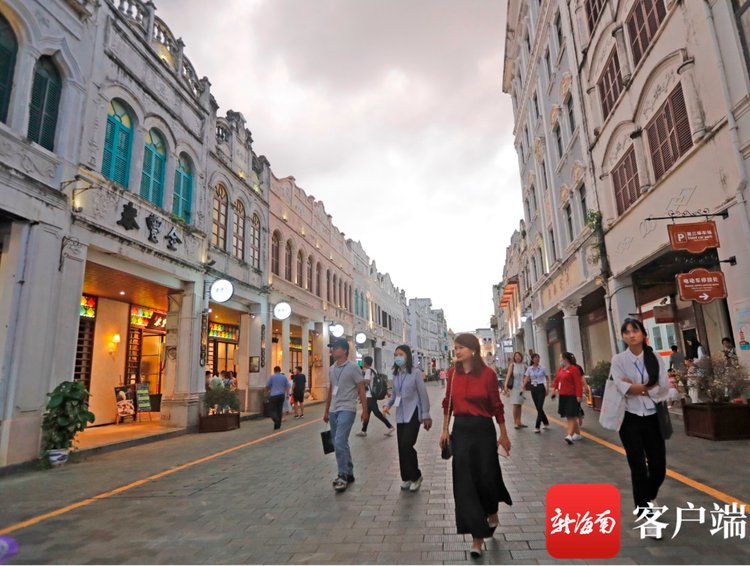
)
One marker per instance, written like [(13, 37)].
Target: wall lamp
[(114, 343)]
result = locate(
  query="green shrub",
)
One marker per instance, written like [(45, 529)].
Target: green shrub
[(66, 415), (598, 375), (218, 399)]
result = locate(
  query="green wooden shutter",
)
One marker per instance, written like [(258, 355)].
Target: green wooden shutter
[(45, 101), (8, 51), (109, 148), (36, 109), (122, 157), (148, 164)]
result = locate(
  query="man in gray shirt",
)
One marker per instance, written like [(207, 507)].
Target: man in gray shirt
[(346, 386), (676, 360)]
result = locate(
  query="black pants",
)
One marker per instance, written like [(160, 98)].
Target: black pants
[(478, 485), (372, 407), (642, 440), (407, 455), (275, 407), (538, 394)]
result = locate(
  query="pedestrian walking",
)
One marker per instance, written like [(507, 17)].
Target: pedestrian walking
[(581, 414), (412, 409), (569, 383), (527, 359), (287, 407), (278, 388), (514, 384), (538, 376), (372, 403), (442, 378), (641, 377), (473, 398), (346, 386), (299, 381), (676, 359), (695, 349)]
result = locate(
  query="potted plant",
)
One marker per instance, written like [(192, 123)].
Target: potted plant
[(718, 379), (597, 378), (66, 415), (223, 407)]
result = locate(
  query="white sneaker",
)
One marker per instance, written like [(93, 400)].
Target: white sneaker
[(406, 485), (361, 433), (577, 437), (415, 485), (569, 439), (390, 431)]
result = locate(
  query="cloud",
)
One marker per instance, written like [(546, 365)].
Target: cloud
[(389, 111)]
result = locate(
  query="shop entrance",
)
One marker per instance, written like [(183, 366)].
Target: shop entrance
[(223, 339)]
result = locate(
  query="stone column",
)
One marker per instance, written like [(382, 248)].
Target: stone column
[(319, 380), (256, 380), (529, 337), (572, 328), (243, 365), (136, 161), (305, 345), (644, 183), (540, 335), (595, 107), (692, 101), (622, 54), (23, 77), (621, 305), (167, 193), (285, 335)]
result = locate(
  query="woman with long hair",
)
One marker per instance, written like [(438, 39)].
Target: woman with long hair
[(412, 409), (641, 377), (516, 371), (538, 375), (473, 398), (696, 351), (569, 383)]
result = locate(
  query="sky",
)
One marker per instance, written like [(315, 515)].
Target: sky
[(389, 111)]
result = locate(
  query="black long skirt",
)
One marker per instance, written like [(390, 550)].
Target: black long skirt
[(478, 485)]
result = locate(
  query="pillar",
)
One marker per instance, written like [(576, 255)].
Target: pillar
[(692, 102), (572, 328), (621, 305), (257, 379), (305, 345), (644, 183), (285, 336), (20, 102), (529, 335), (540, 339), (136, 160), (321, 362), (622, 54), (243, 365)]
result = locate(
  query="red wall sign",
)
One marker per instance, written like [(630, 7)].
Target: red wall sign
[(694, 238), (702, 286)]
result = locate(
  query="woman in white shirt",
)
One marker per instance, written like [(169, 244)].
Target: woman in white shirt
[(641, 377)]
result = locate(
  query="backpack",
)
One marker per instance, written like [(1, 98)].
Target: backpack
[(378, 387)]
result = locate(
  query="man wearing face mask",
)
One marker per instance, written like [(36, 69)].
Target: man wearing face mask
[(346, 386)]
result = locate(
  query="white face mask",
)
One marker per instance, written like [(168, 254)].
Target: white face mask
[(400, 362)]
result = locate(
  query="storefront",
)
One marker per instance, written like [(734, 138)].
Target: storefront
[(555, 339), (595, 343)]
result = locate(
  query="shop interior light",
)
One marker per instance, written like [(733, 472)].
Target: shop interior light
[(116, 339), (122, 292)]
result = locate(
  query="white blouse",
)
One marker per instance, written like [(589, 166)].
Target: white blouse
[(628, 365)]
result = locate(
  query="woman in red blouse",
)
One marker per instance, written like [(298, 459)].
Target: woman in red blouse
[(473, 395), (570, 384)]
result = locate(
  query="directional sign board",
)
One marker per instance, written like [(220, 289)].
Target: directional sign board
[(695, 238), (702, 286)]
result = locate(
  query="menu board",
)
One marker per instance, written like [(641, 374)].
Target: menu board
[(142, 397), (124, 397)]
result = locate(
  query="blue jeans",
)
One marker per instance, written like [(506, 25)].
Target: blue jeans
[(341, 425)]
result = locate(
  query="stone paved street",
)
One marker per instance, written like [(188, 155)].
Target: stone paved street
[(271, 501)]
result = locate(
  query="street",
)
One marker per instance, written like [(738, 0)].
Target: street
[(251, 496)]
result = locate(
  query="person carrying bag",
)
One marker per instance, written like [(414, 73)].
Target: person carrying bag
[(514, 385)]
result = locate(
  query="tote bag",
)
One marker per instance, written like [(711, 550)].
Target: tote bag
[(325, 437), (613, 407)]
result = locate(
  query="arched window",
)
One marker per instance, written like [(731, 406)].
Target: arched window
[(362, 305), (356, 302), (118, 142), (255, 241), (328, 286), (346, 296), (152, 177), (219, 232), (183, 188), (238, 238), (300, 268), (335, 289), (8, 52), (318, 285), (341, 288), (275, 252), (288, 261), (45, 103), (309, 285)]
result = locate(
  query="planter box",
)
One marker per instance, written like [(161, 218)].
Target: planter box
[(219, 423), (596, 402), (717, 421)]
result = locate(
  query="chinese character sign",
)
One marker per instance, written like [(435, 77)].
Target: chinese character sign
[(583, 521)]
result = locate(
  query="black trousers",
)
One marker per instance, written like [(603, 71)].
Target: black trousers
[(372, 407), (407, 455), (275, 408), (647, 456), (538, 394), (478, 485)]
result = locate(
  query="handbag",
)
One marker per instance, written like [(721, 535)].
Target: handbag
[(447, 450), (613, 407), (665, 421), (510, 379), (325, 437)]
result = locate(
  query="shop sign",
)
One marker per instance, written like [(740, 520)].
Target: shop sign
[(702, 286), (223, 331), (88, 307), (564, 281), (695, 237), (149, 319), (360, 338), (742, 323), (336, 330), (282, 311), (221, 291), (663, 315), (364, 351), (142, 397)]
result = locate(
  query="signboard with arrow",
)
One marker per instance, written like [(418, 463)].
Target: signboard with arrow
[(702, 286)]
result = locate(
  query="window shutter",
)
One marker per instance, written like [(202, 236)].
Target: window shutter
[(148, 164), (36, 108), (109, 143), (157, 180), (8, 50), (681, 122), (653, 144), (635, 44), (122, 157), (49, 119)]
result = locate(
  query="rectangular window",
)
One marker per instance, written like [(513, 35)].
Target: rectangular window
[(669, 135), (552, 251), (584, 204), (534, 206), (527, 43), (571, 115), (548, 64), (593, 10), (558, 140), (643, 23), (536, 107), (544, 176), (569, 222), (625, 181), (742, 17), (558, 30), (610, 85)]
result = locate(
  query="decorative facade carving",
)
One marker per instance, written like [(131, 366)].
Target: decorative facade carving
[(658, 93), (539, 149)]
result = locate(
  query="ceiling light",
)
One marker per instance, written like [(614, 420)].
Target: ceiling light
[(122, 292)]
